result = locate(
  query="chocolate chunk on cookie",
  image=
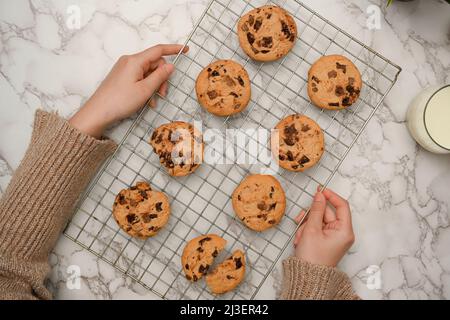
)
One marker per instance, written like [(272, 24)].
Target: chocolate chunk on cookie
[(199, 255), (223, 88), (298, 143), (228, 275), (140, 211), (334, 83), (179, 146), (267, 33), (259, 202)]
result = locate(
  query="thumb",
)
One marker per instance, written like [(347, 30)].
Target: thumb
[(317, 211), (154, 80)]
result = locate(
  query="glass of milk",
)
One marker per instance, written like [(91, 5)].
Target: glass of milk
[(428, 119)]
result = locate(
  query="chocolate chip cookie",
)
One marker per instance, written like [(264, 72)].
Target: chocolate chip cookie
[(199, 254), (224, 88), (179, 146), (228, 275), (260, 202), (298, 143), (267, 33), (141, 212), (334, 83)]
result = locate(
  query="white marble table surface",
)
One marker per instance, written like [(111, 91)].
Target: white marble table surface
[(400, 194)]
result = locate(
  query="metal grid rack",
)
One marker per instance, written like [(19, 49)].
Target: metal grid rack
[(201, 203)]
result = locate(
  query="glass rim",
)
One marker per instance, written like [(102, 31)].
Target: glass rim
[(425, 113)]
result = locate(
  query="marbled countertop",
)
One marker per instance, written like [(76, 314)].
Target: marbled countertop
[(399, 193)]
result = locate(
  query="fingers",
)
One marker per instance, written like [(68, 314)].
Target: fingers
[(342, 207), (298, 220), (298, 235), (153, 103), (330, 215), (149, 66), (156, 52), (156, 64), (157, 78), (164, 87), (317, 211), (300, 216)]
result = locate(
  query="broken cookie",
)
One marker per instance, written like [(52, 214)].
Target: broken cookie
[(199, 255), (228, 275)]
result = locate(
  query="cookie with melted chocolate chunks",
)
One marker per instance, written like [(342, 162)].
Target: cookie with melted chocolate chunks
[(267, 33), (199, 255), (179, 146), (140, 211), (298, 143), (259, 202), (223, 88), (228, 275), (334, 83)]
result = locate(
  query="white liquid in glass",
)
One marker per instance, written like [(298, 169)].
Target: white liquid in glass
[(429, 119)]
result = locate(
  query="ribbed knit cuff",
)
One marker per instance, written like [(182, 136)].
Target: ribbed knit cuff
[(22, 280), (57, 167), (305, 281)]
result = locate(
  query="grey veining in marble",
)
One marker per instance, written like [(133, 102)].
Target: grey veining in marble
[(399, 193)]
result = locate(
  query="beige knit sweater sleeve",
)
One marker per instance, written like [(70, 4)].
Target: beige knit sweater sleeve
[(40, 199), (305, 281)]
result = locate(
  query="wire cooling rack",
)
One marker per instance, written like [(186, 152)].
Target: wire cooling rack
[(201, 203)]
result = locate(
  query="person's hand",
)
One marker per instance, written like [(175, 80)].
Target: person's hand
[(327, 234), (129, 85)]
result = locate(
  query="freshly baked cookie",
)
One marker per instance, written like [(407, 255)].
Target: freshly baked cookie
[(334, 83), (179, 146), (141, 212), (224, 88), (260, 202), (267, 33), (199, 254), (298, 143), (228, 275)]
